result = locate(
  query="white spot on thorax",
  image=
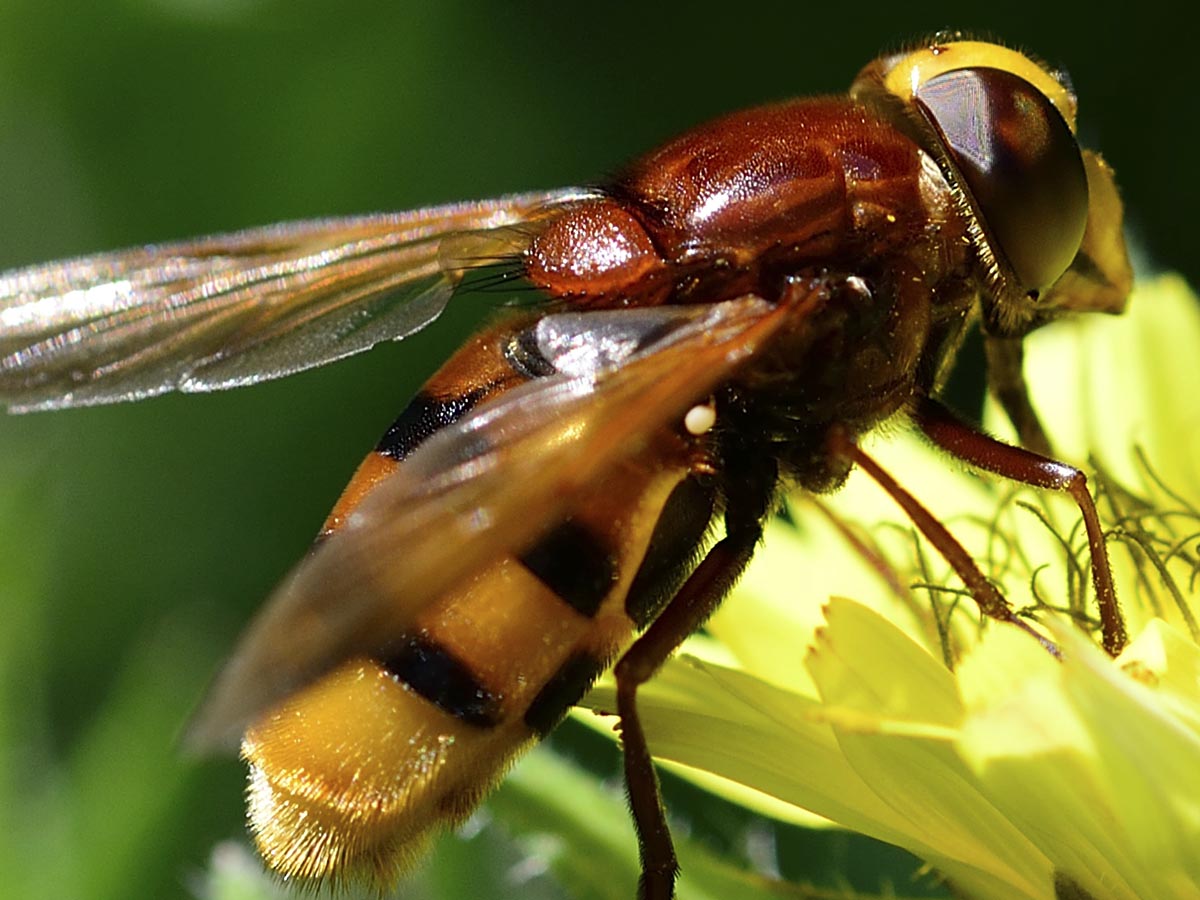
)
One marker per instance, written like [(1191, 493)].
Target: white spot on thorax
[(700, 419)]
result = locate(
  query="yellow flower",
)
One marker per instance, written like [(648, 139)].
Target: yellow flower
[(901, 715)]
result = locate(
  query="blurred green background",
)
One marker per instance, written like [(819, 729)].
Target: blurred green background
[(135, 541)]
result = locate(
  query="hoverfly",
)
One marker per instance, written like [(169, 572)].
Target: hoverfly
[(719, 322)]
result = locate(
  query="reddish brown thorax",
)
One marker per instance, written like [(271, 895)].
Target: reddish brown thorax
[(724, 208)]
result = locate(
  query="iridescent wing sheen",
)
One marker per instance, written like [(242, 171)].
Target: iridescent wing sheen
[(488, 485), (235, 309)]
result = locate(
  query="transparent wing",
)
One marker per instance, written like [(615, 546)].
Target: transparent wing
[(486, 486), (235, 309)]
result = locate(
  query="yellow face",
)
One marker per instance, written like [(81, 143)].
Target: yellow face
[(1045, 217), (904, 74)]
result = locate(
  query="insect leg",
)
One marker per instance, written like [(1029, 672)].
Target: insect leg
[(695, 601), (1006, 380), (989, 598), (972, 446)]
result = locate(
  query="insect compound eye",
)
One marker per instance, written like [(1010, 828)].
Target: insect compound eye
[(1018, 159)]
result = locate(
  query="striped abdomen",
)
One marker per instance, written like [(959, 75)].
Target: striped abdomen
[(353, 774)]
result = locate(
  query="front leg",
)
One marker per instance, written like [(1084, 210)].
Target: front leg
[(1006, 381), (1037, 470)]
